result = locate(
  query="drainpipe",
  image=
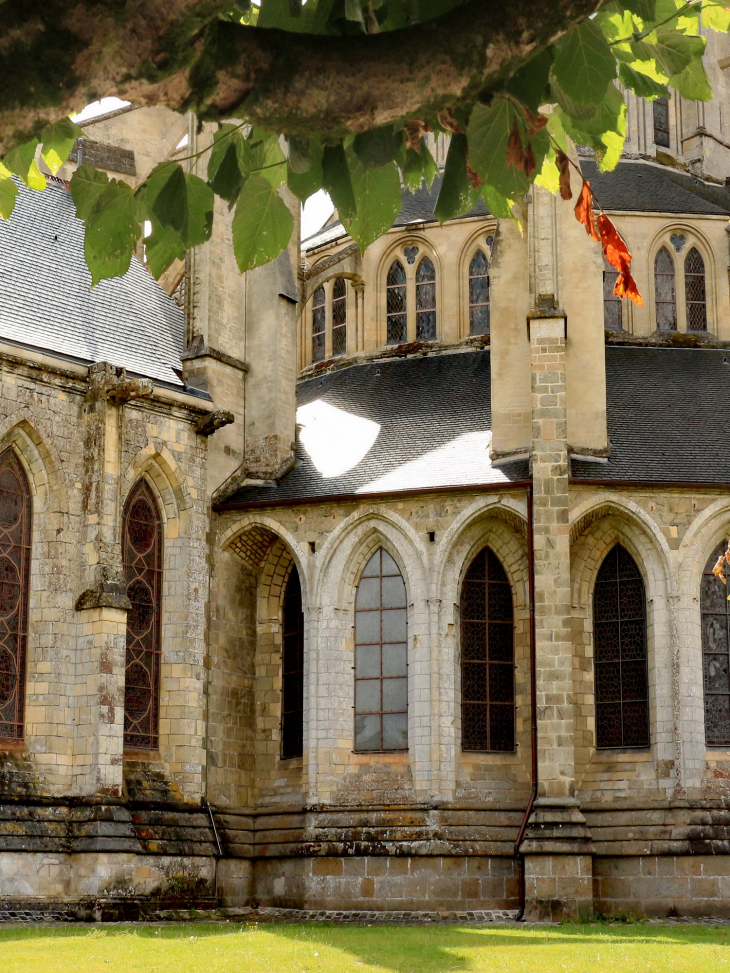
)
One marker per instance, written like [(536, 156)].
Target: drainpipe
[(533, 708)]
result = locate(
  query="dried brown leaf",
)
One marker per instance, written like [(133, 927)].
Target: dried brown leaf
[(448, 121), (563, 163), (415, 128), (474, 178)]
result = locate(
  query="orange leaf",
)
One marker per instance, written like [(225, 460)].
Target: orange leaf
[(719, 569), (563, 163), (626, 287), (416, 128), (584, 211)]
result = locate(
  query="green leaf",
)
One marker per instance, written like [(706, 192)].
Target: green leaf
[(716, 17), (161, 250), (336, 180), (87, 184), (300, 156), (378, 146), (497, 204), (21, 161), (676, 51), (456, 195), (305, 184), (8, 193), (179, 201), (645, 9), (267, 157), (579, 110), (549, 177), (112, 231), (488, 134), (262, 224), (58, 140), (693, 83), (353, 11), (378, 197), (529, 84), (585, 65), (227, 180), (640, 83)]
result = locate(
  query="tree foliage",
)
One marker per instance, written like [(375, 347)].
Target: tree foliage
[(342, 108)]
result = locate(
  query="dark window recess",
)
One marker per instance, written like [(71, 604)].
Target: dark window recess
[(142, 555), (292, 670), (664, 290), (15, 526), (619, 653), (612, 309), (487, 657), (660, 107), (694, 291), (339, 317), (425, 301), (381, 657), (318, 324), (396, 304), (715, 613), (479, 294)]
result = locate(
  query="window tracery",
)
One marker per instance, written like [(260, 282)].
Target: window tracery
[(292, 669), (15, 535), (339, 317), (318, 324), (694, 290), (715, 616), (396, 304), (142, 558), (381, 657), (479, 294), (425, 301), (487, 657)]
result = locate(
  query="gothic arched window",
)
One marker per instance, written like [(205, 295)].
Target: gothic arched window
[(479, 294), (15, 526), (318, 324), (619, 653), (694, 291), (487, 657), (425, 301), (381, 657), (664, 290), (292, 669), (612, 310), (142, 556), (660, 112), (715, 610), (396, 304), (339, 317)]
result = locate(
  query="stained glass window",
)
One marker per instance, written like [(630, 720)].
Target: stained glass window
[(396, 304), (318, 324), (619, 653), (339, 317), (479, 294), (487, 657), (292, 669), (660, 108), (425, 301), (666, 298), (15, 526), (715, 610), (381, 657), (694, 290), (142, 555), (612, 310)]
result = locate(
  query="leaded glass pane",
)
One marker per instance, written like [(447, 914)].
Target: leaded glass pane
[(479, 294), (425, 301), (396, 309), (694, 289), (318, 324), (619, 653), (612, 309), (715, 615), (487, 656), (664, 289), (292, 670), (339, 317)]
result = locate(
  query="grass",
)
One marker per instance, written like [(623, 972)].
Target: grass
[(624, 948)]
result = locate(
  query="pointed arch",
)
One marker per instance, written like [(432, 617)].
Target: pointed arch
[(425, 300), (479, 294), (15, 539), (396, 304), (695, 291), (665, 291)]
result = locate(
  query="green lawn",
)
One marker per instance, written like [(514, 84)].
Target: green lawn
[(630, 948)]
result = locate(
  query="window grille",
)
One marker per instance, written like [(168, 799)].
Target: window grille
[(694, 291), (396, 304), (664, 290), (479, 294), (15, 528), (619, 652), (487, 657), (715, 613), (425, 301), (292, 669), (339, 317), (318, 324), (142, 556), (660, 108), (612, 309), (381, 657)]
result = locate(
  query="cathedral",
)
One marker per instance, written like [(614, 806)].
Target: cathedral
[(372, 581)]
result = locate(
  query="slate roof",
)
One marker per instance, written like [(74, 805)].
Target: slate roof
[(667, 416), (642, 187), (392, 426), (46, 299)]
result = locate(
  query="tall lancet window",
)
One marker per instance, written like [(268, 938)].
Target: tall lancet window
[(396, 305), (479, 294), (142, 555), (715, 610), (425, 301), (292, 669), (15, 526), (619, 653), (665, 291), (318, 324), (660, 111), (612, 310), (694, 290), (487, 657), (381, 657), (339, 317)]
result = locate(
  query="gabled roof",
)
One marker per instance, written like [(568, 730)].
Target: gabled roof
[(47, 302), (644, 187)]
